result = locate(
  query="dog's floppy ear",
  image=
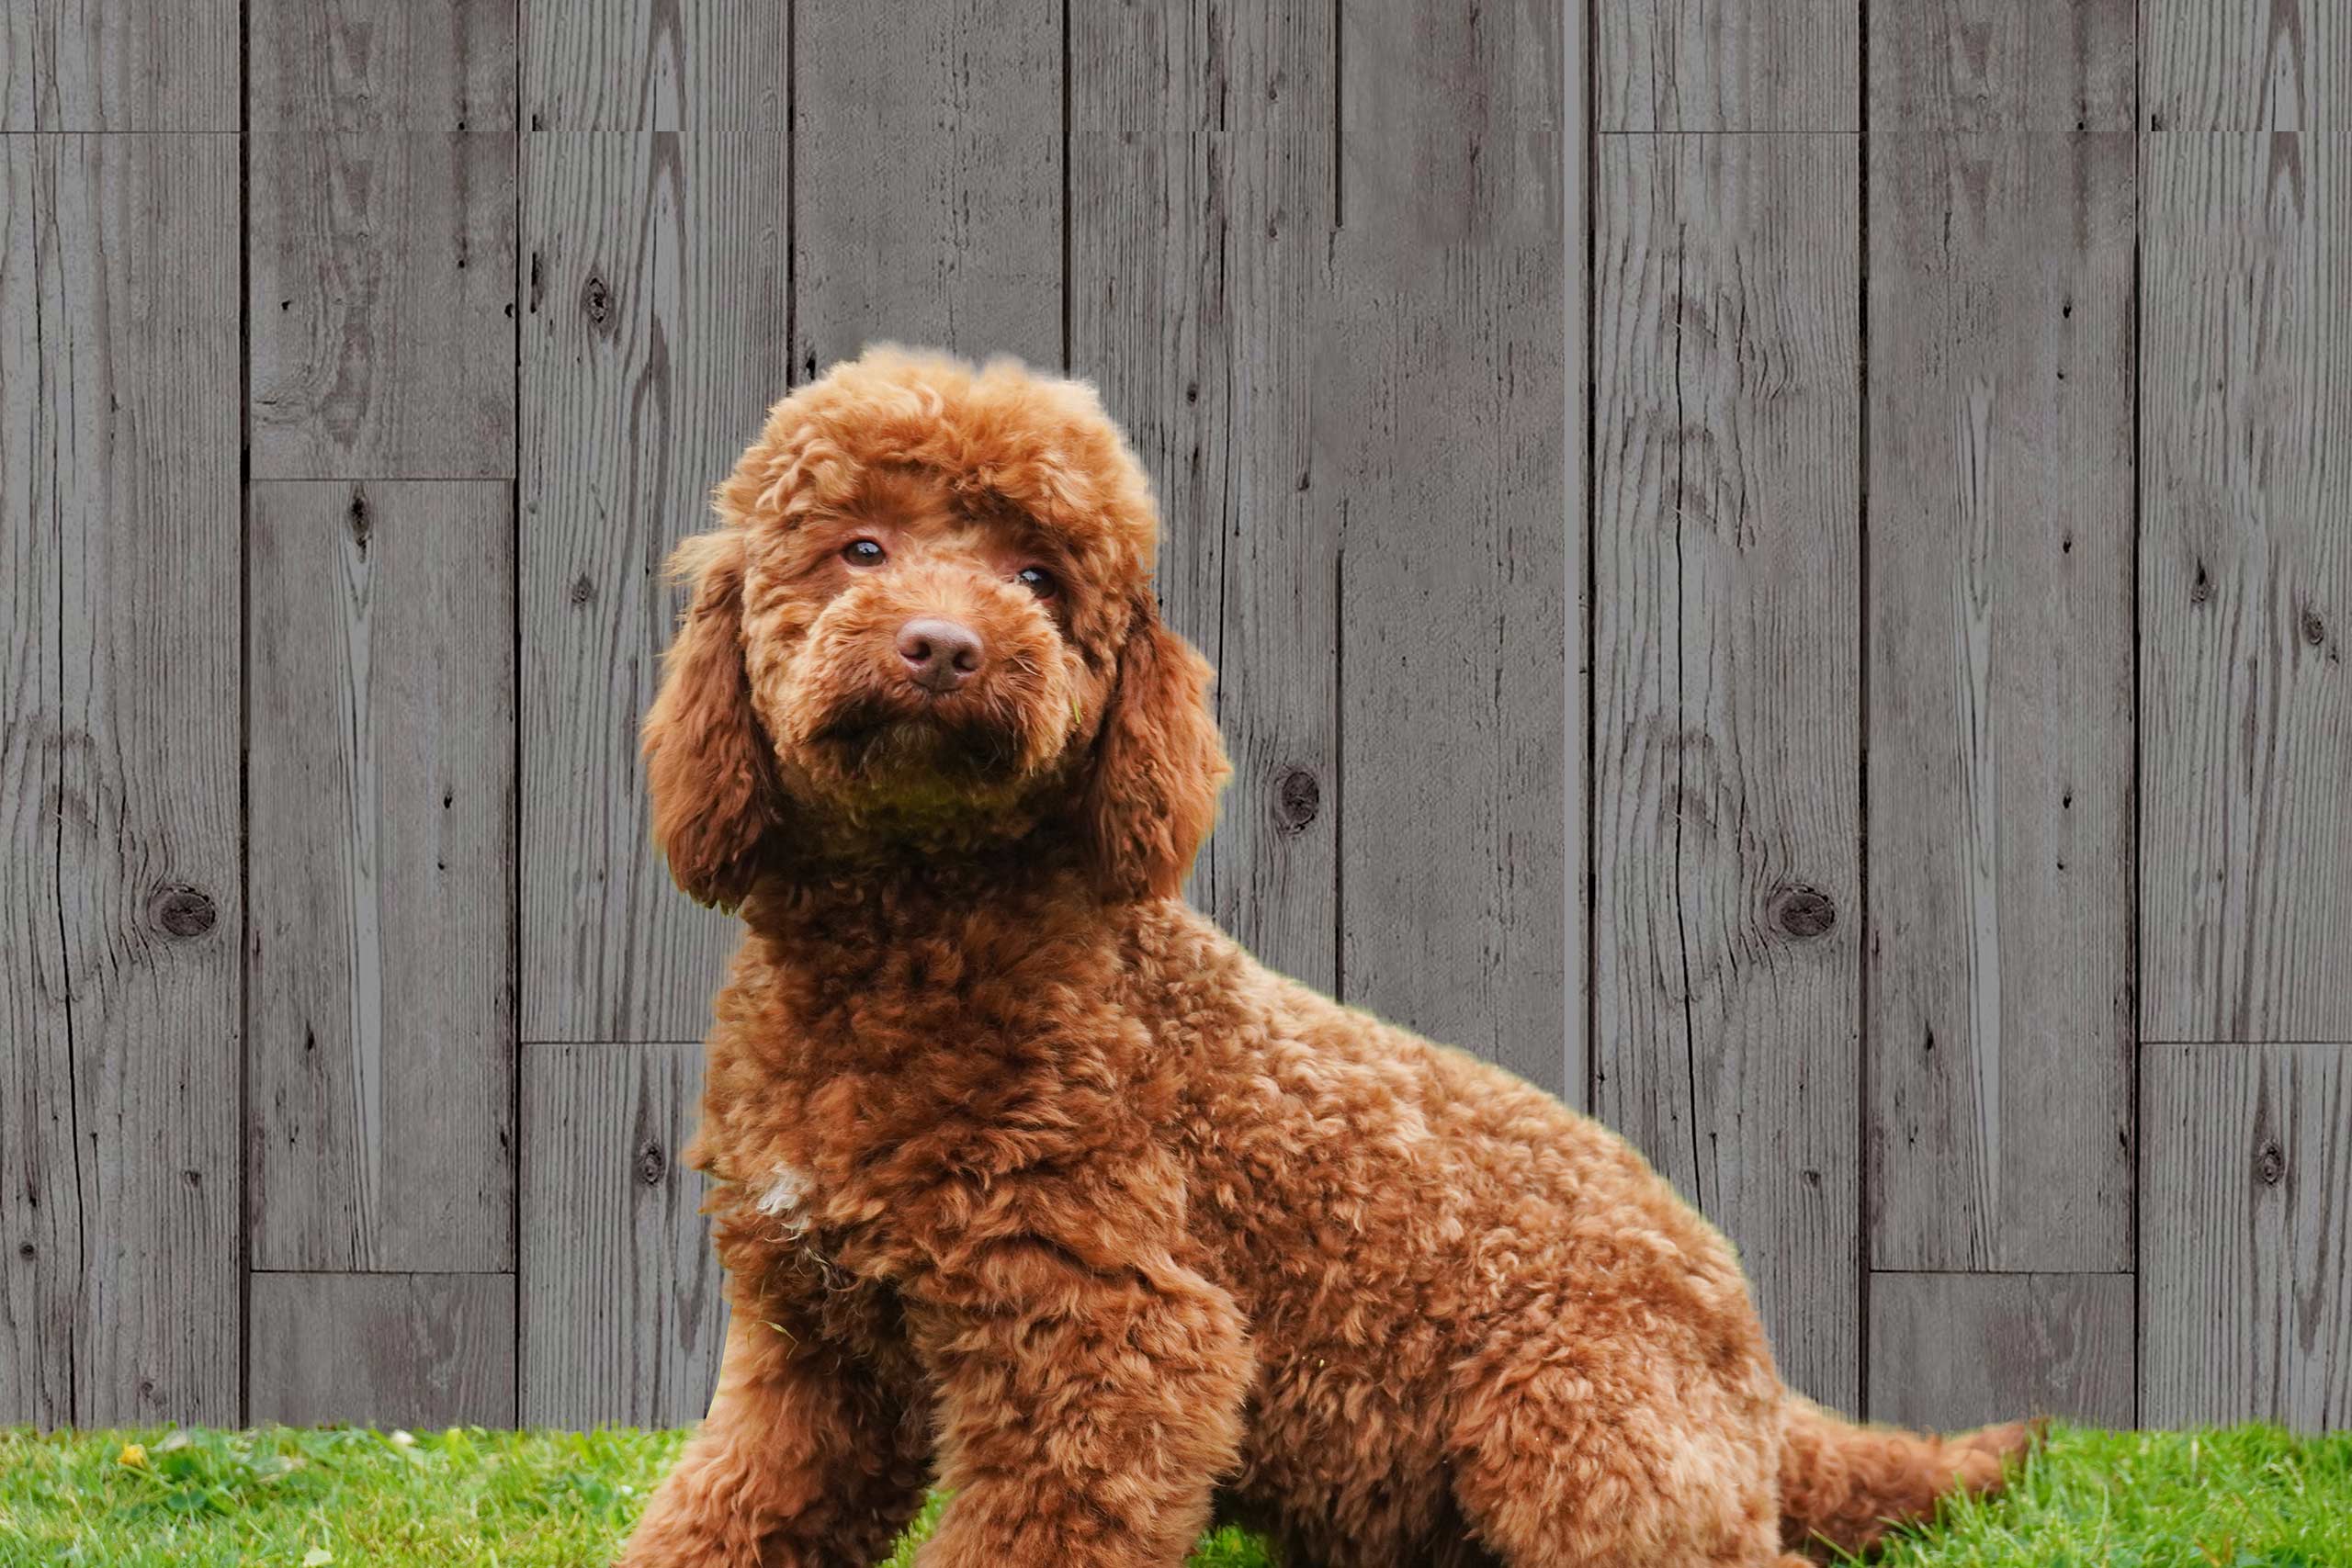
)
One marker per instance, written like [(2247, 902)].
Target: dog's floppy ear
[(706, 759), (1159, 765)]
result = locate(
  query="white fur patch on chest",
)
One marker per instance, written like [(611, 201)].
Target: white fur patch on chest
[(784, 1193)]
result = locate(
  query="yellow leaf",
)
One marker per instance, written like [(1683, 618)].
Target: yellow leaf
[(134, 1455)]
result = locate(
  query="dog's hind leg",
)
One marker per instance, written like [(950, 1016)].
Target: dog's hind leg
[(1617, 1442), (802, 1462), (1674, 1496)]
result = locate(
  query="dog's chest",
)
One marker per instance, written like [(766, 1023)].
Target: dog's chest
[(877, 1122), (783, 1194)]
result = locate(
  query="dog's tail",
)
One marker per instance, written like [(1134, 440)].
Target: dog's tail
[(1845, 1484)]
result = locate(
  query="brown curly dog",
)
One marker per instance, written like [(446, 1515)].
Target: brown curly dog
[(1033, 1183)]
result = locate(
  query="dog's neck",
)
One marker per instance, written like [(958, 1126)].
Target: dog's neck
[(882, 973), (891, 899)]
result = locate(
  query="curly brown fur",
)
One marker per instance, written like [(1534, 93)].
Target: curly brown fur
[(1024, 1166)]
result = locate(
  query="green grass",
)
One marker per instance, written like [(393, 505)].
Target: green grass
[(2248, 1498), (2241, 1497)]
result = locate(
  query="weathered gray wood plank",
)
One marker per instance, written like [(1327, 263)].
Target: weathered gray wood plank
[(354, 66), (40, 1200), (381, 304), (75, 65), (2245, 1274), (1751, 65), (381, 1054), (1197, 242), (623, 1311), (1727, 782), (653, 343), (391, 1350), (2001, 65), (2000, 1002), (927, 172), (138, 450), (2245, 587), (19, 66), (1950, 1351), (2285, 65), (656, 65), (1440, 422)]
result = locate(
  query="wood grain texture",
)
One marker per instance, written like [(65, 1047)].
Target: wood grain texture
[(2281, 65), (2246, 1270), (653, 344), (381, 304), (389, 1350), (1327, 263), (76, 65), (623, 1310), (2000, 1010), (2245, 587), (1441, 425), (927, 176), (708, 65), (1678, 66), (133, 457), (1201, 145), (1950, 1351), (2002, 65), (1727, 780), (360, 66), (19, 66), (40, 1194), (380, 880)]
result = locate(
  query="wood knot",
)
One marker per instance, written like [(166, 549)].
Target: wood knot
[(356, 519), (182, 911), (1297, 799), (596, 299), (2314, 629), (2270, 1164), (582, 589), (652, 1165), (2201, 589), (1803, 912)]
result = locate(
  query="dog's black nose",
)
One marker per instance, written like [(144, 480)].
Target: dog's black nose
[(941, 655)]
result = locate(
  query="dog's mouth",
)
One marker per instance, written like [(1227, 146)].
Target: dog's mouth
[(881, 742)]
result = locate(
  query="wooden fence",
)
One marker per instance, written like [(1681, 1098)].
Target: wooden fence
[(1782, 568)]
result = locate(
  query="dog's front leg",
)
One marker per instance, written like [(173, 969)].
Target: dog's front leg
[(1085, 1419), (802, 1463)]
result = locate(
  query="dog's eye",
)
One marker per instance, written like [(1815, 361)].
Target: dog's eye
[(863, 552), (1038, 580)]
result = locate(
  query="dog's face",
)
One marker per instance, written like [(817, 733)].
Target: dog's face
[(916, 652), (926, 622)]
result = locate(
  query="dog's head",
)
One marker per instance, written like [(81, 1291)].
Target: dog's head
[(926, 622)]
